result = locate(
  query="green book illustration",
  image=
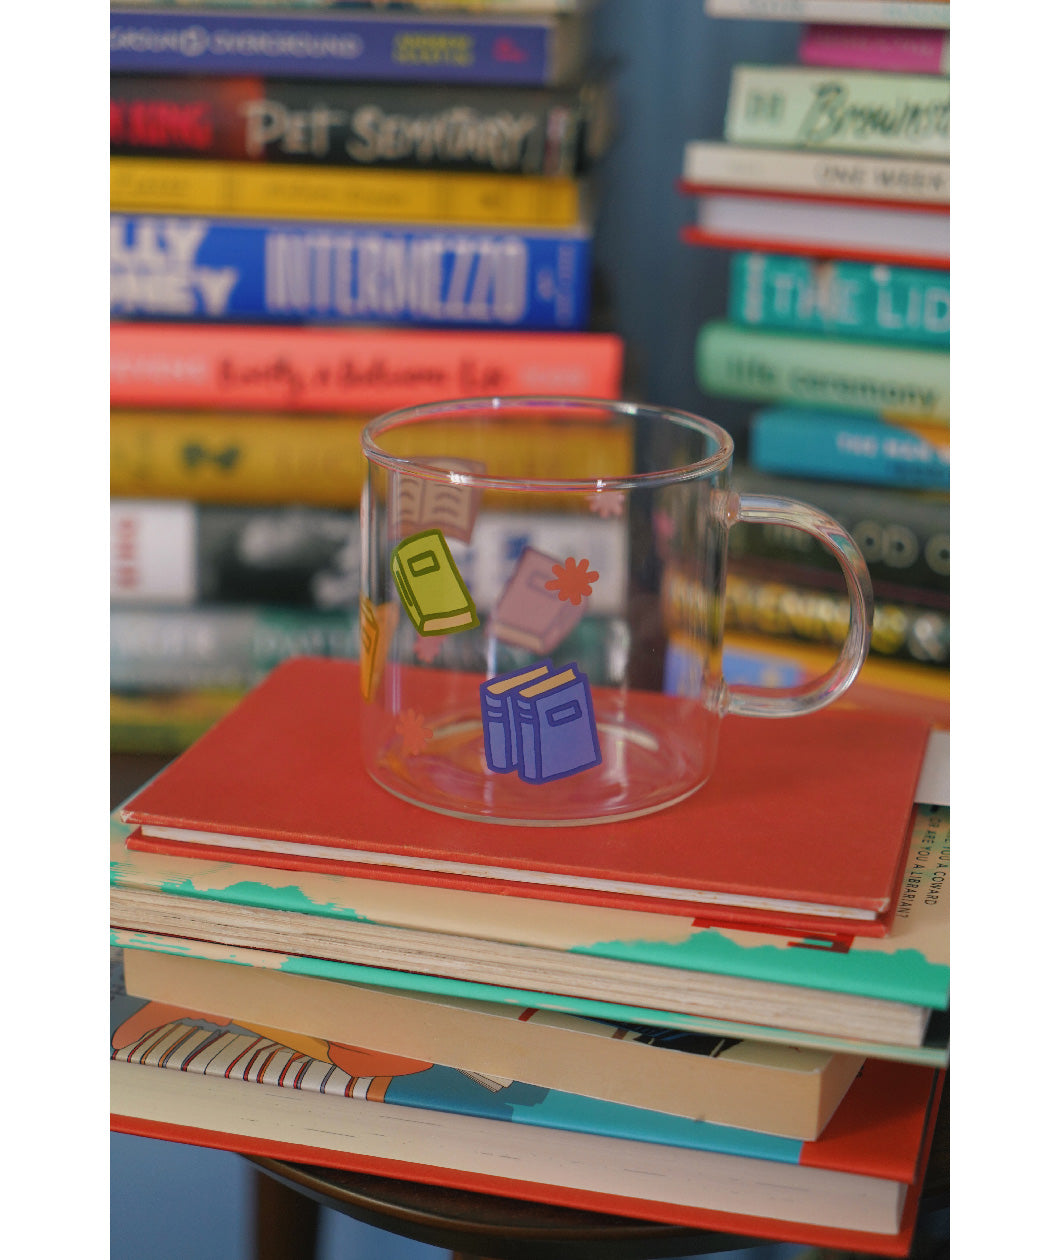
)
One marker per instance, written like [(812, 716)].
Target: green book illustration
[(862, 111), (429, 584)]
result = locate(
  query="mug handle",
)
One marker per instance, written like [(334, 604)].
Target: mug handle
[(770, 509)]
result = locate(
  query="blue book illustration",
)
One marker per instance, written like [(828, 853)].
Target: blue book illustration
[(450, 48), (289, 272), (556, 725), (836, 447), (499, 728)]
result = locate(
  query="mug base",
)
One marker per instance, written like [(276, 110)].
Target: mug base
[(644, 767)]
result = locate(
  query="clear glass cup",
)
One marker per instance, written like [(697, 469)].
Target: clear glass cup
[(542, 605)]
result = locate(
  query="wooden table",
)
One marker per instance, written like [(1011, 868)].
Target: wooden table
[(480, 1226)]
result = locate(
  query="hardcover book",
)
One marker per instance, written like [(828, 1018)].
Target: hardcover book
[(871, 177), (901, 50), (203, 1078), (788, 848), (469, 127), (911, 235), (811, 108), (289, 272), (366, 195), (359, 369), (840, 298), (280, 458), (933, 14), (457, 47), (795, 442), (902, 382), (775, 1089)]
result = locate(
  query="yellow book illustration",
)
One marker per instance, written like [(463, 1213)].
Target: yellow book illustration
[(250, 190), (430, 586), (377, 629)]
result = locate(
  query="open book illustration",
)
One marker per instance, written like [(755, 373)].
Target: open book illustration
[(420, 504)]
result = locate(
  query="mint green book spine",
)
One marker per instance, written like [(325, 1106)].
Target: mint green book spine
[(900, 382), (871, 301), (860, 111)]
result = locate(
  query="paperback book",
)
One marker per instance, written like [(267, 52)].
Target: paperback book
[(203, 1078), (770, 1088)]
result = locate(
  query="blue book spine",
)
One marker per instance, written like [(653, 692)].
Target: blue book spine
[(855, 448), (278, 271), (499, 726), (871, 301), (419, 47)]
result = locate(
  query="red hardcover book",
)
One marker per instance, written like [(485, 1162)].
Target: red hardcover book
[(900, 233), (814, 812), (250, 367)]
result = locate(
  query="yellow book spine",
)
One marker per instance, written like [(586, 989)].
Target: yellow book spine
[(250, 190), (258, 459)]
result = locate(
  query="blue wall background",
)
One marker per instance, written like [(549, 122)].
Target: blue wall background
[(671, 82), (671, 65)]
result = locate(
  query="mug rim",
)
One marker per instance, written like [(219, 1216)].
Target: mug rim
[(452, 407)]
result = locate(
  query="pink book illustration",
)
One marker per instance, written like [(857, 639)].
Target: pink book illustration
[(530, 612)]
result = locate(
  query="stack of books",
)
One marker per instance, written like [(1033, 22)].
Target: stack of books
[(730, 1016), (319, 213), (830, 190)]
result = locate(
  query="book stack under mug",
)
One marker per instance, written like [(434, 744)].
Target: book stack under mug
[(319, 213), (731, 1015), (830, 192)]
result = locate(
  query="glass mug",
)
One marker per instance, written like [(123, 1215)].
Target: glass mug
[(542, 604)]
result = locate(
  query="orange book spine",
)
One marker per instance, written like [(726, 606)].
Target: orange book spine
[(350, 369)]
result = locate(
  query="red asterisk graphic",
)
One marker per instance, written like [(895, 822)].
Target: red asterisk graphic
[(414, 732), (426, 649), (606, 503), (574, 580)]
